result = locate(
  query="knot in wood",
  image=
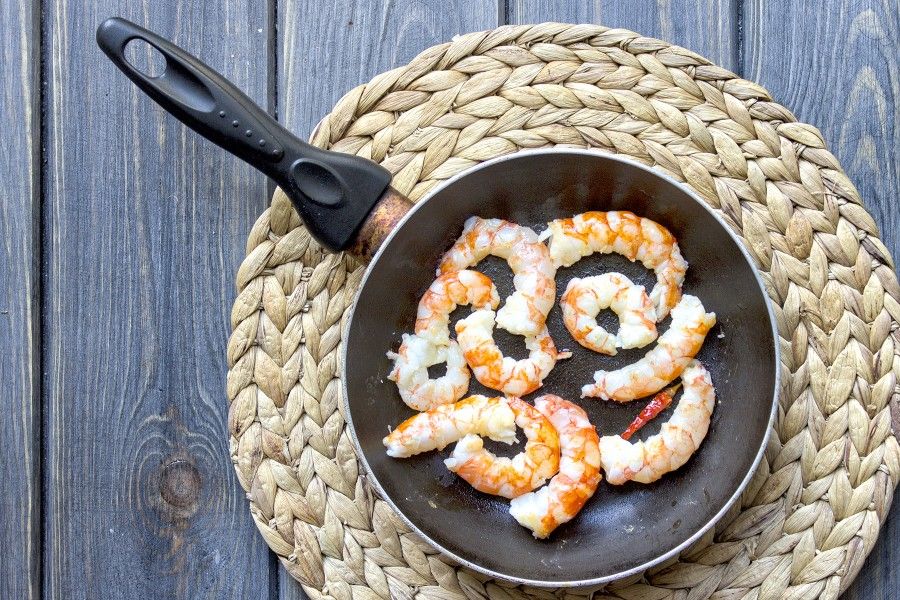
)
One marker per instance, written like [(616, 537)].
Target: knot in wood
[(179, 483)]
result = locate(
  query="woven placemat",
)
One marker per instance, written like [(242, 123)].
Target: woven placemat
[(812, 512)]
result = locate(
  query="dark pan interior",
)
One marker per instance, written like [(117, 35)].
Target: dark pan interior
[(622, 527)]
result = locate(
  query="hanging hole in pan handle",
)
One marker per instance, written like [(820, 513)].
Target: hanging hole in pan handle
[(179, 87), (141, 55), (333, 192)]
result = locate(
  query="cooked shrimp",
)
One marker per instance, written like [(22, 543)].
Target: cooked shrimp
[(622, 232), (525, 311), (648, 460), (411, 363), (503, 476), (442, 425), (674, 350), (579, 470), (492, 369), (446, 293), (432, 345), (585, 298)]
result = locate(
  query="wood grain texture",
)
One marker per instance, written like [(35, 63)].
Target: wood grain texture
[(708, 27), (835, 65), (146, 224), (19, 300), (326, 49)]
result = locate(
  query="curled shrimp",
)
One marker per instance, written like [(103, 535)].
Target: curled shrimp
[(525, 311), (448, 291), (579, 470), (585, 298), (431, 345), (622, 232), (492, 369), (672, 353), (434, 429), (510, 477), (648, 460), (410, 372)]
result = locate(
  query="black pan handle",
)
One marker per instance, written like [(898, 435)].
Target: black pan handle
[(333, 192)]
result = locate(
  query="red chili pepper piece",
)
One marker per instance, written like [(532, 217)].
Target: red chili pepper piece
[(654, 407)]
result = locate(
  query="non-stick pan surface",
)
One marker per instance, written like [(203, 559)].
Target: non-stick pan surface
[(622, 529)]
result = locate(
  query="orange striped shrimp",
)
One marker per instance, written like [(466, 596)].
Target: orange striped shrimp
[(648, 460), (510, 477), (431, 345), (410, 372), (585, 298), (663, 363), (492, 369), (622, 232), (525, 311), (435, 428), (448, 291), (579, 470)]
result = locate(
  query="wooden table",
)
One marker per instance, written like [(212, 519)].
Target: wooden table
[(122, 232)]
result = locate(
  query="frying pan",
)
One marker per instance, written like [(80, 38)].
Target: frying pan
[(347, 204)]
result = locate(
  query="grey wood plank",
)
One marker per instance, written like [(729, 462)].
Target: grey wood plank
[(835, 65), (19, 299), (708, 27), (326, 49), (146, 225)]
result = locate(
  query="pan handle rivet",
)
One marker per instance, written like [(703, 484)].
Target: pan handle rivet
[(262, 143), (222, 113), (248, 133), (234, 123)]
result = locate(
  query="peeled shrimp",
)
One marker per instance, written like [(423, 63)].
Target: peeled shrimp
[(525, 311), (411, 363), (446, 293), (443, 425), (432, 345), (648, 460), (492, 369), (510, 477), (585, 298), (672, 353), (579, 470), (622, 232)]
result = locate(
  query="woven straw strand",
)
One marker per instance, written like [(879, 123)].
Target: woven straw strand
[(813, 510)]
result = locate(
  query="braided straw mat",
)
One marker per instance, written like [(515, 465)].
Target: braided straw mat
[(810, 515)]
